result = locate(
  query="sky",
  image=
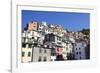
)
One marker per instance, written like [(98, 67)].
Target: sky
[(68, 20)]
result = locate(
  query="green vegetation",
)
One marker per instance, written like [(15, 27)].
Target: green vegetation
[(86, 31)]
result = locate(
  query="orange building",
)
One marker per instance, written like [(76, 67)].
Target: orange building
[(32, 26)]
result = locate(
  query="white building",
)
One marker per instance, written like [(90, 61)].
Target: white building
[(45, 28), (41, 54), (67, 49), (53, 54), (41, 26)]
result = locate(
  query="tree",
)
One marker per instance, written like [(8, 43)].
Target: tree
[(86, 31)]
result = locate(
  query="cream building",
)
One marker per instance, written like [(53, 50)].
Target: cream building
[(26, 53), (27, 41)]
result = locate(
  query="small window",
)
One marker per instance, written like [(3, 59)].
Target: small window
[(80, 58), (30, 46), (80, 53), (77, 53), (40, 50), (67, 54), (23, 45), (76, 48), (39, 58), (75, 44), (66, 48), (40, 28), (70, 46), (59, 39), (44, 58), (47, 46), (32, 37), (23, 53), (53, 54), (83, 44), (45, 51), (24, 39), (29, 54), (79, 48)]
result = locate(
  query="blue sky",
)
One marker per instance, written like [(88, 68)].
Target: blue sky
[(68, 20)]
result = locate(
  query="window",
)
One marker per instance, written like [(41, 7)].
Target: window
[(29, 54), (45, 51), (23, 45), (47, 36), (40, 28), (30, 46), (67, 54), (47, 46), (39, 58), (83, 44), (75, 44), (24, 39), (59, 38), (70, 46), (40, 50), (53, 54), (44, 58), (40, 25), (23, 53), (77, 53), (66, 48), (29, 40), (80, 53), (32, 37), (52, 38), (79, 48), (80, 58), (76, 48)]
